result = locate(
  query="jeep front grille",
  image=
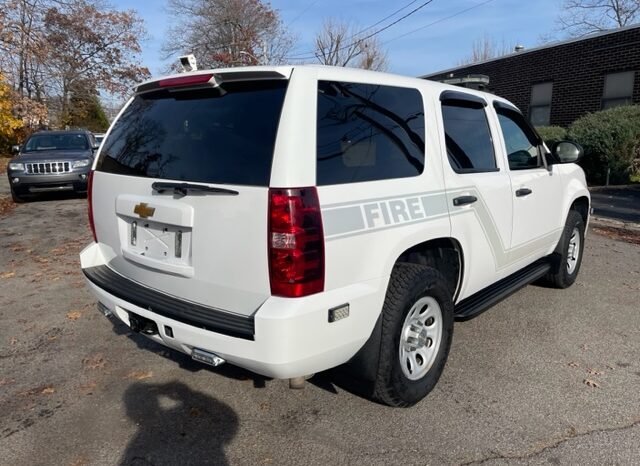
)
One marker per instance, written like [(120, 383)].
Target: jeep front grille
[(49, 167)]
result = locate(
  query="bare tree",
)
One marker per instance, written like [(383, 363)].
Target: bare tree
[(22, 45), (580, 17), (227, 32), (92, 44), (339, 44), (485, 48)]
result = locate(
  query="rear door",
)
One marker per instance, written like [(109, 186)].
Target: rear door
[(478, 189), (205, 241)]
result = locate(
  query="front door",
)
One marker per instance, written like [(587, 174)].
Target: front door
[(536, 190)]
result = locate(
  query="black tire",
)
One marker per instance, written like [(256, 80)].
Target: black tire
[(16, 197), (559, 276), (408, 284)]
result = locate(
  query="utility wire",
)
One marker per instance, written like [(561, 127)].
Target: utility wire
[(461, 12), (369, 36), (385, 18), (309, 6)]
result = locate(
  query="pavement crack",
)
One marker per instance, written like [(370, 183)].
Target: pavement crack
[(555, 444)]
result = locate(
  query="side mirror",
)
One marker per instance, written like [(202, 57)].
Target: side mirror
[(567, 152), (15, 149)]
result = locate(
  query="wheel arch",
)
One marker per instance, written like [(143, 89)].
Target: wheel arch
[(581, 205), (445, 254)]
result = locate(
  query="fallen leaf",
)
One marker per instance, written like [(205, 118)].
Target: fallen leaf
[(591, 383), (48, 390), (573, 364), (7, 274), (94, 362), (81, 461), (87, 388), (194, 412), (73, 315), (13, 340), (594, 372), (140, 375)]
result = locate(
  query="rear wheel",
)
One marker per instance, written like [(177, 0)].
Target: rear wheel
[(16, 197), (417, 328), (568, 256)]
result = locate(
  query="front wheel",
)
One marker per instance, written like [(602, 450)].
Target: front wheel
[(568, 256), (17, 198), (417, 329)]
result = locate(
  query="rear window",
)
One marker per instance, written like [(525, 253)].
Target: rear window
[(368, 132), (215, 135)]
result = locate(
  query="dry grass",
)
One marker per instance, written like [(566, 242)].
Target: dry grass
[(6, 205), (621, 234)]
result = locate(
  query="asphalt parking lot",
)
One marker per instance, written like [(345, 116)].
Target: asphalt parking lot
[(546, 376)]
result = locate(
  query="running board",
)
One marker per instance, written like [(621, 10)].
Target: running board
[(479, 302)]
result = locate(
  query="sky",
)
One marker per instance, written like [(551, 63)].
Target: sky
[(432, 48)]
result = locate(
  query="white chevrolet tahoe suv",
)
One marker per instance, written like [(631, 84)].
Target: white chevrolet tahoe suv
[(293, 219)]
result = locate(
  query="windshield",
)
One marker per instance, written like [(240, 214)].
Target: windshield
[(224, 136), (70, 141)]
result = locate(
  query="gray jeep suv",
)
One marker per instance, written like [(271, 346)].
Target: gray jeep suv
[(52, 161)]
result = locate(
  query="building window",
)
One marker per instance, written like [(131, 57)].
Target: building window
[(618, 89), (540, 108)]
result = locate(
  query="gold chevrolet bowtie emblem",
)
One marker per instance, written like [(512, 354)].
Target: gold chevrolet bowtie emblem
[(143, 210)]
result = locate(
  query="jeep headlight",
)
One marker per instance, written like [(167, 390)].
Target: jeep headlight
[(81, 163), (16, 166)]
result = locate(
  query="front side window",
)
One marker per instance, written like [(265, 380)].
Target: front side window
[(368, 132), (521, 142), (618, 89), (540, 109), (468, 137)]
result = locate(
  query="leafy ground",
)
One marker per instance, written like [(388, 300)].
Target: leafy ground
[(547, 376)]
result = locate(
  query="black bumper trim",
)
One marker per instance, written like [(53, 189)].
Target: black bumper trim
[(200, 316)]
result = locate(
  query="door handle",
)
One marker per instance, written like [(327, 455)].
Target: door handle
[(523, 192), (464, 200)]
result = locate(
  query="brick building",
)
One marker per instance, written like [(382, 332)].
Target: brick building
[(557, 83)]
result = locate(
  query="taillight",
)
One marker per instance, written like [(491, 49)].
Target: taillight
[(189, 80), (89, 198), (296, 242)]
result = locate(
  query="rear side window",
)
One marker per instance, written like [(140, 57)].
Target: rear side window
[(368, 132), (468, 137), (222, 135)]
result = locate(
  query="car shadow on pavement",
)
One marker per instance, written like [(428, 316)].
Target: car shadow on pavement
[(176, 425)]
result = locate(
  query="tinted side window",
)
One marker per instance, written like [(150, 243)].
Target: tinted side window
[(521, 142), (368, 132), (468, 138), (224, 135)]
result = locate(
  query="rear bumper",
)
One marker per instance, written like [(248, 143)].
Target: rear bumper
[(291, 337), (76, 181)]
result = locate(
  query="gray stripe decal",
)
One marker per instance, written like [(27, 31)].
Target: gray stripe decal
[(348, 219), (382, 213), (345, 220)]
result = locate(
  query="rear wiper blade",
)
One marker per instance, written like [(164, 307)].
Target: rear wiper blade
[(184, 188)]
